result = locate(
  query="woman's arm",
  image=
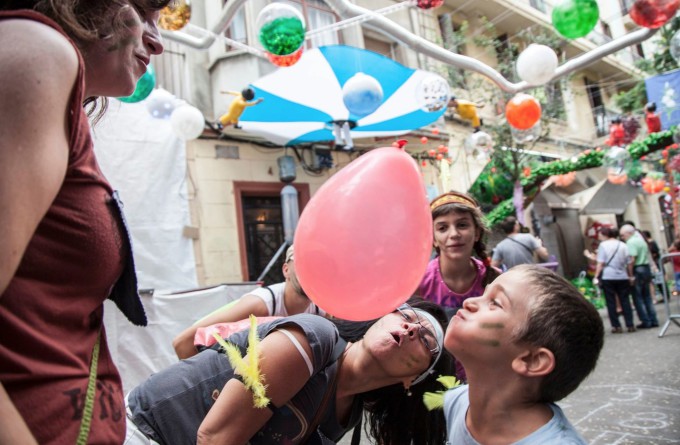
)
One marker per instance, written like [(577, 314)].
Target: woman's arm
[(37, 74), (246, 305), (233, 420)]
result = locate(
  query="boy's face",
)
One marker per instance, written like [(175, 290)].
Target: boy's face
[(483, 330)]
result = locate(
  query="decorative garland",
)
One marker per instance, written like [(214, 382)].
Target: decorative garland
[(587, 159)]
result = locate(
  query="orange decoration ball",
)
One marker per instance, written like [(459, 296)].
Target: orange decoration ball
[(493, 169), (526, 171), (523, 111), (424, 163), (432, 152), (423, 140), (443, 148), (287, 59), (440, 156), (435, 131)]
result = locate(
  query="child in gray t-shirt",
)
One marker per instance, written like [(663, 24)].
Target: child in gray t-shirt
[(528, 342)]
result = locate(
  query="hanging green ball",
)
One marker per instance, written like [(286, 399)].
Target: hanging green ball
[(145, 86), (282, 29), (575, 18)]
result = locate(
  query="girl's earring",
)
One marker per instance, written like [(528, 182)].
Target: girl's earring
[(408, 392)]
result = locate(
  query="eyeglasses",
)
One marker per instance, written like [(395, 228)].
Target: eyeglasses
[(428, 338)]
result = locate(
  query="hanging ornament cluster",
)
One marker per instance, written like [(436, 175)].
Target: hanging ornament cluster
[(287, 60), (526, 136), (145, 86), (187, 122), (479, 145), (523, 111), (281, 32), (161, 103), (429, 4), (617, 161), (653, 13), (575, 18), (536, 65), (362, 94), (653, 183), (175, 16), (433, 93)]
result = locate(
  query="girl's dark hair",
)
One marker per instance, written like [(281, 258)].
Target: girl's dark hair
[(392, 416), (85, 22)]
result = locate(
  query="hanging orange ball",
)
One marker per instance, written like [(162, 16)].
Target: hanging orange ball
[(440, 156), (424, 163), (443, 148), (652, 185), (424, 140), (526, 171), (523, 111), (432, 152), (435, 131)]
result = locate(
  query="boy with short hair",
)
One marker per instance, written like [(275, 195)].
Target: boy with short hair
[(528, 342)]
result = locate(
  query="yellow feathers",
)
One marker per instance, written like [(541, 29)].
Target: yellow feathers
[(435, 400), (249, 369)]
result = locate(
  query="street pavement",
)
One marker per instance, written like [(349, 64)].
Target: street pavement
[(633, 396)]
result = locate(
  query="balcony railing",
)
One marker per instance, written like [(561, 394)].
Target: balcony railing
[(602, 117)]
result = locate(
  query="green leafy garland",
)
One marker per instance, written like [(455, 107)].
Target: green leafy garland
[(587, 159)]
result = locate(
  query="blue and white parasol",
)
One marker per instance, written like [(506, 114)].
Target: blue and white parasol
[(302, 102)]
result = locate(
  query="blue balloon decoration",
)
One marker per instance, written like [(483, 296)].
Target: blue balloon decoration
[(145, 86), (362, 94)]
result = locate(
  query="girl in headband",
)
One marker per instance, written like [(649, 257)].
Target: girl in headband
[(461, 268)]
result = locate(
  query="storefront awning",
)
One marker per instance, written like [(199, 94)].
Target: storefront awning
[(608, 198)]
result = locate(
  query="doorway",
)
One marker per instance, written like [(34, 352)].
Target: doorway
[(260, 227)]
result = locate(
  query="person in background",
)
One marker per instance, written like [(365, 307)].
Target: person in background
[(641, 271), (652, 118), (655, 252), (516, 248), (280, 299), (613, 273), (527, 343), (64, 246), (461, 268), (675, 248), (321, 375)]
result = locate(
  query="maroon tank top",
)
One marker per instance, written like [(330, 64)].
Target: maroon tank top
[(52, 311)]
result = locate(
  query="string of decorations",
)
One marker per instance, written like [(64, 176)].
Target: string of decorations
[(587, 159)]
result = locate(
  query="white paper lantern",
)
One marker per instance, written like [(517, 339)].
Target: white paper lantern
[(187, 122), (433, 93), (537, 64), (161, 103)]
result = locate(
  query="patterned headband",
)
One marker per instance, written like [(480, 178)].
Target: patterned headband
[(451, 198)]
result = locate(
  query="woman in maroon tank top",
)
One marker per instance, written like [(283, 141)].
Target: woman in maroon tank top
[(64, 247)]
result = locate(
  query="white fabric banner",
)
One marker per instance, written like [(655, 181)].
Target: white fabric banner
[(139, 352), (144, 160)]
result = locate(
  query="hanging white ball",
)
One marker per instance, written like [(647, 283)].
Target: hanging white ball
[(187, 122), (362, 94), (537, 64), (433, 93), (161, 103)]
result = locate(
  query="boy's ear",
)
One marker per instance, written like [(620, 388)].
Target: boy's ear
[(534, 362)]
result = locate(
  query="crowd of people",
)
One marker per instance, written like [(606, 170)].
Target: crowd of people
[(518, 336)]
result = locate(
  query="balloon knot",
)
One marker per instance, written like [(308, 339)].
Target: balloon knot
[(401, 143)]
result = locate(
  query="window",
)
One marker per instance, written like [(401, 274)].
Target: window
[(237, 29), (538, 4), (317, 15)]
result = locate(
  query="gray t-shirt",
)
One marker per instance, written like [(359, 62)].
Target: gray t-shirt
[(170, 405), (617, 252), (558, 431), (516, 249)]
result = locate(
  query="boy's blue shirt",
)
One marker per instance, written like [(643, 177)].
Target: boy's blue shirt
[(557, 431)]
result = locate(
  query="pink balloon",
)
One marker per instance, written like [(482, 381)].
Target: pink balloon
[(364, 239)]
